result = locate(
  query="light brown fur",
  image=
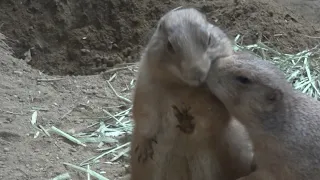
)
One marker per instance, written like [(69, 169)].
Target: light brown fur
[(173, 68), (283, 124)]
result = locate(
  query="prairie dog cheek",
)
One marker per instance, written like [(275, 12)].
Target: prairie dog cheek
[(175, 71)]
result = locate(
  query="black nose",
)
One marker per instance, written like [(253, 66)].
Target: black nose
[(198, 74)]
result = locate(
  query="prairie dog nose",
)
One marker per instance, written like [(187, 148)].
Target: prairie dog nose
[(198, 74)]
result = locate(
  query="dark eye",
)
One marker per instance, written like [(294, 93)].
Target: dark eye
[(243, 79), (170, 47), (209, 40)]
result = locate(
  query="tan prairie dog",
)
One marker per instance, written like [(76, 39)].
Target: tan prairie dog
[(171, 76), (283, 124)]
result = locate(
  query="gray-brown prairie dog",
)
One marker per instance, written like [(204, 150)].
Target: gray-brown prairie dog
[(172, 70), (283, 124)]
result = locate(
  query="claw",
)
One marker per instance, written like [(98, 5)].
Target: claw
[(144, 150), (155, 141), (136, 149)]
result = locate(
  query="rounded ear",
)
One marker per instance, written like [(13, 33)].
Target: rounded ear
[(161, 24), (274, 95), (162, 27)]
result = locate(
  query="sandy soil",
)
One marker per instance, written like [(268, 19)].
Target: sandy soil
[(78, 41)]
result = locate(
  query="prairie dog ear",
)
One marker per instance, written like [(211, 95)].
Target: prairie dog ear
[(162, 28), (273, 95), (161, 25)]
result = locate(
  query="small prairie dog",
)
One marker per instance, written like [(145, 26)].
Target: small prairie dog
[(172, 72), (283, 124)]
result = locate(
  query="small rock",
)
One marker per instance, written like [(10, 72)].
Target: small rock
[(115, 46), (129, 59), (18, 73), (118, 60), (127, 168), (85, 50), (6, 149), (36, 150), (127, 51), (27, 56), (71, 131), (8, 120), (110, 63)]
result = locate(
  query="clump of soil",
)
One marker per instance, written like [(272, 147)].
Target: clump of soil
[(81, 37)]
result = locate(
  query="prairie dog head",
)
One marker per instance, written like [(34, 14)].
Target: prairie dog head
[(248, 86), (182, 41)]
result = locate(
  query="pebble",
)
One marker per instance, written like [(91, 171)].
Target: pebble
[(127, 51), (18, 73), (85, 50), (6, 149)]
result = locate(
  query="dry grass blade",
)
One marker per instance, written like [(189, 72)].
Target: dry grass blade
[(88, 174), (302, 69), (9, 112), (115, 92), (105, 153), (125, 151), (97, 140), (92, 173), (44, 130), (50, 80), (33, 122), (34, 117), (120, 68), (69, 137)]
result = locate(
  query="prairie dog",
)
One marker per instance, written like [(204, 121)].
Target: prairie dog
[(283, 124), (172, 72)]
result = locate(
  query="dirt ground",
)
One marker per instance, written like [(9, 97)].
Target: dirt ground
[(77, 41)]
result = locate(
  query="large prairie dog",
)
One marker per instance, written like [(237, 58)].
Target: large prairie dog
[(172, 70), (283, 124)]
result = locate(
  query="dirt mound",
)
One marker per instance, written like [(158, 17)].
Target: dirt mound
[(62, 103), (77, 36), (82, 37), (307, 8), (276, 24)]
